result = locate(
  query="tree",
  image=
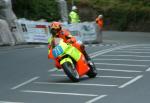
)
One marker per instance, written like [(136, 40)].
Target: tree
[(36, 9)]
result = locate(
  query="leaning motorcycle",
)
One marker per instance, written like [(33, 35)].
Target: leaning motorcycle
[(71, 60)]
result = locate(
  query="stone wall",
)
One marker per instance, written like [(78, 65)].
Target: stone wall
[(7, 14), (6, 37)]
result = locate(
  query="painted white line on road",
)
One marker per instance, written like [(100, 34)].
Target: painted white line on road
[(27, 82), (117, 77), (100, 45), (131, 81), (41, 46), (9, 102), (121, 64), (86, 45), (77, 84), (121, 60), (96, 99), (53, 70), (140, 48), (126, 56), (148, 69), (118, 70), (59, 93), (136, 49), (94, 45), (61, 75), (109, 50), (58, 75), (130, 52)]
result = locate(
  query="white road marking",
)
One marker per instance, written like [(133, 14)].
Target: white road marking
[(9, 102), (135, 50), (41, 46), (117, 70), (131, 81), (27, 82), (121, 64), (121, 60), (109, 50), (94, 45), (148, 69), (130, 52), (61, 75), (59, 93), (86, 45), (77, 84), (114, 44), (58, 75), (117, 77), (101, 45), (141, 48), (53, 70), (126, 56), (96, 99), (107, 45)]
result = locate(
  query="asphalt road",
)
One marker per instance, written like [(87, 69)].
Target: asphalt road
[(122, 60)]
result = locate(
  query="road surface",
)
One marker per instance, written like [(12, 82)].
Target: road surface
[(122, 60)]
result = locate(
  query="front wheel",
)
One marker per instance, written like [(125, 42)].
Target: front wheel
[(70, 71), (92, 72)]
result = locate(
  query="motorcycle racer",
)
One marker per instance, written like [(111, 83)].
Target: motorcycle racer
[(58, 32)]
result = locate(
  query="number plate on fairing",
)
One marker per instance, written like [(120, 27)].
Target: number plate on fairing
[(57, 51)]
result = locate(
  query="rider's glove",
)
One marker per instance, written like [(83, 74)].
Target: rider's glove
[(70, 41), (49, 46)]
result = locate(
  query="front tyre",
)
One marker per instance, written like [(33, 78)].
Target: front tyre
[(70, 71)]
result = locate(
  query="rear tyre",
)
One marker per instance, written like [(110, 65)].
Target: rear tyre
[(92, 72), (70, 71)]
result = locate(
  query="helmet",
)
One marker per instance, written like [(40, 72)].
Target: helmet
[(100, 16), (55, 28), (74, 8)]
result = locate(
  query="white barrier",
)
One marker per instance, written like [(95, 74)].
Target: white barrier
[(38, 32), (75, 30), (88, 31), (85, 31), (35, 32)]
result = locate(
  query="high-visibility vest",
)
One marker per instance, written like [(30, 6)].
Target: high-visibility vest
[(74, 17), (99, 22)]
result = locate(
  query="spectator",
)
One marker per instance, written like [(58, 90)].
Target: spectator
[(99, 21), (99, 27), (73, 15)]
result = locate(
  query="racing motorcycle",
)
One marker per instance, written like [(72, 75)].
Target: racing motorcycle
[(71, 60)]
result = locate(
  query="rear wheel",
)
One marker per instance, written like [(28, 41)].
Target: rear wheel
[(92, 72), (70, 71)]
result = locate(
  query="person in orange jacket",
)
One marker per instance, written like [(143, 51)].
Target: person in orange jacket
[(58, 32), (99, 21)]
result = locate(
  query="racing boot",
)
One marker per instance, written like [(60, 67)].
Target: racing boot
[(82, 47), (87, 57)]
